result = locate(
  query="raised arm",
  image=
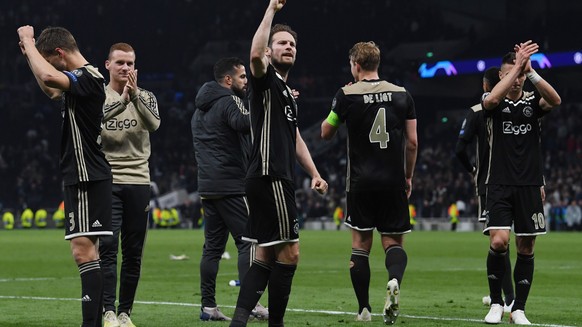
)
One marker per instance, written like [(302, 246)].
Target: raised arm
[(51, 81), (145, 102), (259, 60), (498, 93), (147, 108), (550, 98)]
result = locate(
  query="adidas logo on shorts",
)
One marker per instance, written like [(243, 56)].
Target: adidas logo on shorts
[(86, 298), (96, 224)]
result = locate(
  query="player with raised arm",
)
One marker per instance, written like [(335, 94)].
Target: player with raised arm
[(474, 134), (276, 147), (515, 174), (64, 74)]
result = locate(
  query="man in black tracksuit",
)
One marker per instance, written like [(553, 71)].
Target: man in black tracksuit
[(220, 128)]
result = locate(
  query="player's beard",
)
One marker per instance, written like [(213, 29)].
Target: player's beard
[(241, 93), (281, 67)]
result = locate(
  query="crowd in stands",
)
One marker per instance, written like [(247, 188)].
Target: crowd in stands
[(173, 66)]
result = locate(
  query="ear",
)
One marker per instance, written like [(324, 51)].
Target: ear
[(107, 64), (228, 80), (60, 52)]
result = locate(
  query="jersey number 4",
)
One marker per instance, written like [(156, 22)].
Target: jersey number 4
[(378, 132)]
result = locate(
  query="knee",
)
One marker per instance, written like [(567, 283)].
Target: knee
[(290, 257), (81, 255), (525, 247), (84, 249), (499, 244), (213, 250)]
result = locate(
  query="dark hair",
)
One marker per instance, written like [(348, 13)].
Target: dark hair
[(55, 37), (121, 47), (226, 66), (491, 76), (282, 28), (508, 59)]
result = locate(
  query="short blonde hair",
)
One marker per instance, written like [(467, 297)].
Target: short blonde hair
[(121, 47), (366, 54)]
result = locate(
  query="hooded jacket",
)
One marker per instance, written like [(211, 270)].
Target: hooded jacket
[(220, 129)]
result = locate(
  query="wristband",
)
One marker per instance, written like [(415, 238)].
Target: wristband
[(534, 77)]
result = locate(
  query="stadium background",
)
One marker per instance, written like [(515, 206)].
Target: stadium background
[(178, 41)]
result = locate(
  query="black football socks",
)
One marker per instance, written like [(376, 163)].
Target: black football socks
[(396, 261), (523, 277), (251, 289), (495, 273), (360, 275), (279, 291), (507, 283), (91, 292)]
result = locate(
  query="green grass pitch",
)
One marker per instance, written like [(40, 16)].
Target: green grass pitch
[(443, 285)]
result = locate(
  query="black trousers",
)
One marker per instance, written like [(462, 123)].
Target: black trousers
[(130, 210), (221, 216)]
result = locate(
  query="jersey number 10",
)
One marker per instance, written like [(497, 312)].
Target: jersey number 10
[(539, 220), (378, 132)]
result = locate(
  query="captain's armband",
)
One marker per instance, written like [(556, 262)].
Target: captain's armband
[(333, 119)]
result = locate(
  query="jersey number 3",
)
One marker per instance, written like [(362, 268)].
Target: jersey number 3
[(378, 132)]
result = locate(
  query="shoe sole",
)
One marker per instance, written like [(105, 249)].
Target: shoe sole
[(258, 317), (206, 317), (391, 309)]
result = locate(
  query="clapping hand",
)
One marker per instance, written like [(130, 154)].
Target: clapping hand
[(523, 52)]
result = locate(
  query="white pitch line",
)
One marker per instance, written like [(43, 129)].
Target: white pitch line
[(9, 280), (330, 312)]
